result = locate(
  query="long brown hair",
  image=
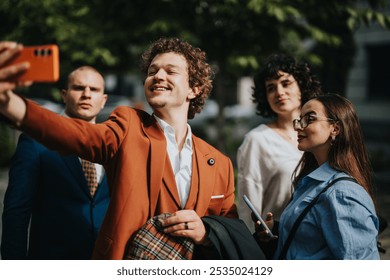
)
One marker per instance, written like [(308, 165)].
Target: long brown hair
[(348, 152)]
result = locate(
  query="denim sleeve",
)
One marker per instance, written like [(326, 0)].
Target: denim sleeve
[(349, 222)]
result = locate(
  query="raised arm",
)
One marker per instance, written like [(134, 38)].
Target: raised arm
[(12, 106)]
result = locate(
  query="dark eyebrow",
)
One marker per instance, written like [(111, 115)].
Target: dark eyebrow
[(168, 65), (286, 79), (309, 113), (80, 86), (77, 86), (95, 88)]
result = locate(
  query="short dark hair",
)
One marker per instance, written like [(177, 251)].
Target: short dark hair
[(81, 68)]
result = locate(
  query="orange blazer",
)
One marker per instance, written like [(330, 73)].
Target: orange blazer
[(132, 148)]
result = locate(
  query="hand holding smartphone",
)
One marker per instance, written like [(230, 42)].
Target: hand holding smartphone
[(44, 63), (264, 225)]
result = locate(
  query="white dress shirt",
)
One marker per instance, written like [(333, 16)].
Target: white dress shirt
[(181, 161)]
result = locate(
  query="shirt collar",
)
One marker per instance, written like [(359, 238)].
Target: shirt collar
[(318, 176), (169, 130), (322, 173)]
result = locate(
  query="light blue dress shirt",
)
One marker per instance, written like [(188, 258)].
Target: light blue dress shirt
[(341, 225)]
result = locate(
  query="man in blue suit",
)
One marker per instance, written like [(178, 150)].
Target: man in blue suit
[(49, 211)]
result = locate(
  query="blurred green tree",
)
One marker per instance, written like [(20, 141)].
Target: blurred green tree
[(236, 34)]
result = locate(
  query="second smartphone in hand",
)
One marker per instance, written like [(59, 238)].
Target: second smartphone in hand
[(258, 216)]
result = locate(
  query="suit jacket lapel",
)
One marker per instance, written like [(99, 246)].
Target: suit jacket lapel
[(73, 163), (158, 154), (194, 189), (159, 161), (170, 182), (205, 160)]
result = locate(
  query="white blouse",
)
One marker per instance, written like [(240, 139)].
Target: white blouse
[(265, 162)]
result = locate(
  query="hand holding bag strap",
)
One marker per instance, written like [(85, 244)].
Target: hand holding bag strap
[(303, 214)]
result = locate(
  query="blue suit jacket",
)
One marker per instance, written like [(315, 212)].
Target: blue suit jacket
[(52, 191)]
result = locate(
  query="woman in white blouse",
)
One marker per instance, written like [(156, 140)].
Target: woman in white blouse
[(268, 155)]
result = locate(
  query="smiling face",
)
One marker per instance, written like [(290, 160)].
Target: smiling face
[(167, 86), (84, 97), (316, 136), (283, 94)]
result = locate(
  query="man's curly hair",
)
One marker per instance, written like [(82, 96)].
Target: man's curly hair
[(308, 83), (199, 71)]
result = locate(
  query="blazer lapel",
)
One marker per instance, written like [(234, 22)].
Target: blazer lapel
[(158, 154), (205, 160), (170, 182), (194, 189), (74, 166)]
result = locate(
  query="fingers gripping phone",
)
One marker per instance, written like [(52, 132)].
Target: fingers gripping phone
[(44, 63), (263, 224)]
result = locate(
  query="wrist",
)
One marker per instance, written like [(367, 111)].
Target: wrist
[(12, 107), (206, 242), (4, 99)]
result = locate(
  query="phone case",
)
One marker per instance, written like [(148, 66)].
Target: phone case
[(258, 216), (44, 63)]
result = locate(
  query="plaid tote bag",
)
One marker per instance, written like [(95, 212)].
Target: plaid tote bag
[(151, 243)]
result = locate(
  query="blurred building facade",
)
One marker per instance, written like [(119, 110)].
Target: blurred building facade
[(368, 84)]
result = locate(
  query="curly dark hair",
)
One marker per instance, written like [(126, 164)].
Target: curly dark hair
[(199, 71), (308, 83)]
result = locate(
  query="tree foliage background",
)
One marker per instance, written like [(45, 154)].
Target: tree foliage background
[(236, 34)]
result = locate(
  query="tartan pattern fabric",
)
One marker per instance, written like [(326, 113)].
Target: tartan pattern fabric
[(90, 175), (151, 243)]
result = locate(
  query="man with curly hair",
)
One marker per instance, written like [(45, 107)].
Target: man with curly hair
[(154, 164)]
